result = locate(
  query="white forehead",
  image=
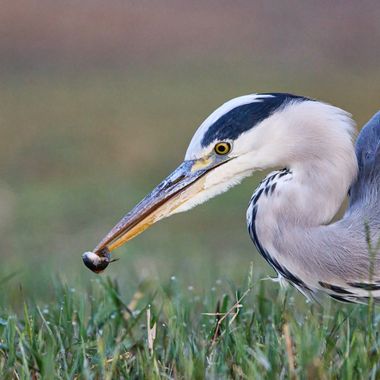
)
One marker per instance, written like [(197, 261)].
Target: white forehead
[(195, 148)]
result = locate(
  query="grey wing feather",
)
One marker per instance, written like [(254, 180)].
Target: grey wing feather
[(365, 192)]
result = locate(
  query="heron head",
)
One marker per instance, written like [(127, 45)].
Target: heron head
[(241, 136)]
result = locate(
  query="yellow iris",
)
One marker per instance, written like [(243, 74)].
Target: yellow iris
[(222, 148)]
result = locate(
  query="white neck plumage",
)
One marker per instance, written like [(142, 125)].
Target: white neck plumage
[(314, 141), (288, 210)]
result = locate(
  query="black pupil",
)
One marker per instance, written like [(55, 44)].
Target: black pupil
[(222, 148)]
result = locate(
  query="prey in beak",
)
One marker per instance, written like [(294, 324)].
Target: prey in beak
[(185, 183)]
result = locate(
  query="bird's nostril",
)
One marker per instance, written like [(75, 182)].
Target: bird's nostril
[(173, 182), (178, 179)]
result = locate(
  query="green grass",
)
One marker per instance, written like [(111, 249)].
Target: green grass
[(102, 333)]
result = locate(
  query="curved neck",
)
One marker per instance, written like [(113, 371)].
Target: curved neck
[(286, 221), (314, 141)]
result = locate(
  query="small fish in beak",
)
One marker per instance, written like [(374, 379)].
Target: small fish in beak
[(97, 262)]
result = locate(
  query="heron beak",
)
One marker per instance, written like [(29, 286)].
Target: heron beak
[(179, 187)]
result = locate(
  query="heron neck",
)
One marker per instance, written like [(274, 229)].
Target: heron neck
[(288, 224), (309, 195), (316, 191)]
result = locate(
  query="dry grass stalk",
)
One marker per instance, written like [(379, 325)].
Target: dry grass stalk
[(289, 351), (220, 317), (151, 331)]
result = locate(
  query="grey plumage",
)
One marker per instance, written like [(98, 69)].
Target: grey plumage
[(365, 192), (331, 258)]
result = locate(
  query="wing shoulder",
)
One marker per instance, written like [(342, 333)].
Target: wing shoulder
[(366, 189)]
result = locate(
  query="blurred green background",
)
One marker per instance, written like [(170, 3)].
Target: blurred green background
[(100, 99)]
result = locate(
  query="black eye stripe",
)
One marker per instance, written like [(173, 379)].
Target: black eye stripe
[(242, 118)]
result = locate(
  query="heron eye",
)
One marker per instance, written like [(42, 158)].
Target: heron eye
[(222, 148)]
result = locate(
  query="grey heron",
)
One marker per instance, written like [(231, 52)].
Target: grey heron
[(290, 214)]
